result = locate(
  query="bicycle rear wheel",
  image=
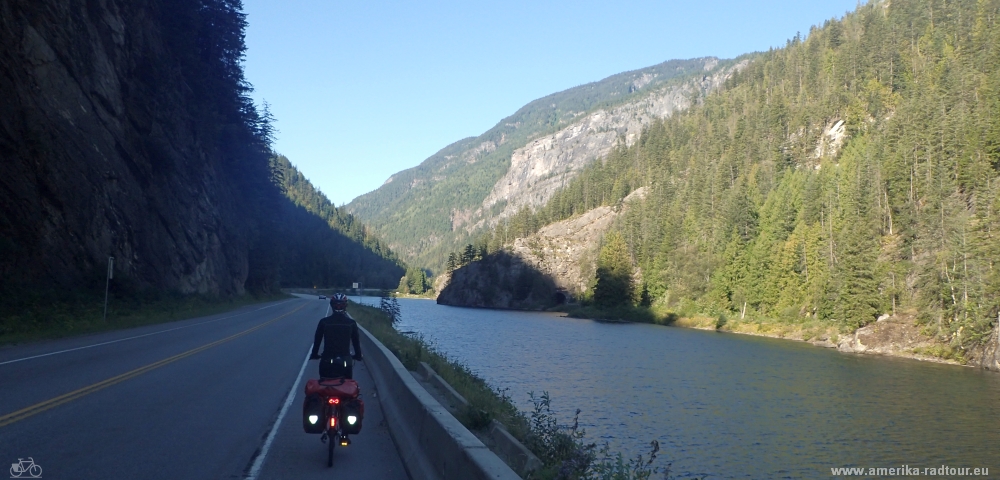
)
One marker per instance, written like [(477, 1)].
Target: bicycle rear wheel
[(334, 438)]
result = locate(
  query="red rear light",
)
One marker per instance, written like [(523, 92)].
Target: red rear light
[(333, 421), (331, 401), (334, 401)]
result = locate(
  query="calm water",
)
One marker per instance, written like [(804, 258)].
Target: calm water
[(727, 406)]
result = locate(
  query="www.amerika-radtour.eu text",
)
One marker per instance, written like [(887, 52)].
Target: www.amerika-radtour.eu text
[(906, 470)]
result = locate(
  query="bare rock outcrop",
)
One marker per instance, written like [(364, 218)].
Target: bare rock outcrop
[(546, 164), (987, 354), (901, 336), (891, 336), (501, 280), (545, 269), (567, 250)]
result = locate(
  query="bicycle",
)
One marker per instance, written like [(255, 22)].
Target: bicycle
[(22, 467), (333, 407)]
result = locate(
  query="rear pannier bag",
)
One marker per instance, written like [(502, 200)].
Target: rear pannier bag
[(314, 414), (317, 393), (343, 388), (352, 408)]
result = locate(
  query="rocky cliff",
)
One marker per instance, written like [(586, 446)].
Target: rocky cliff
[(546, 164), (552, 266), (105, 149), (501, 280)]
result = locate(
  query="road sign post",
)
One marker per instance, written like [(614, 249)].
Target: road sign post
[(107, 283)]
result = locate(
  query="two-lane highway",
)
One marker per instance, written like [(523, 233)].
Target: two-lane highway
[(189, 399)]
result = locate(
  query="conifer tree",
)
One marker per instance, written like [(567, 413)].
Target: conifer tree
[(614, 273)]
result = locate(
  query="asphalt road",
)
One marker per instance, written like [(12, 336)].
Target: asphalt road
[(192, 399)]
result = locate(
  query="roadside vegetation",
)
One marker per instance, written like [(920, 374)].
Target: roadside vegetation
[(36, 315), (563, 449)]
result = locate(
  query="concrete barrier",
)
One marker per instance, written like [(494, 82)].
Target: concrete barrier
[(433, 444), (518, 456), (458, 402)]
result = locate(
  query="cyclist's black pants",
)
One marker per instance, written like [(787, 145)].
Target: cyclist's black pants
[(336, 367)]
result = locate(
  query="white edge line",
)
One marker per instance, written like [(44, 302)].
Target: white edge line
[(138, 336), (258, 463)]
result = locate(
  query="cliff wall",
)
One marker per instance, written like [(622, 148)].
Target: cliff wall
[(104, 148)]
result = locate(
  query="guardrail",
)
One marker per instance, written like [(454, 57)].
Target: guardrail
[(433, 444)]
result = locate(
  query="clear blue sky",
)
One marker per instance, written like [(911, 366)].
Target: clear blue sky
[(364, 89)]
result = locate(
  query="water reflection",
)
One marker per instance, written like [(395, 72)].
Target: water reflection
[(723, 405)]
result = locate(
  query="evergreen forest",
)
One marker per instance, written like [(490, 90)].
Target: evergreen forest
[(853, 173), (324, 246)]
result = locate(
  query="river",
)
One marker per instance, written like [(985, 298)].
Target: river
[(725, 405)]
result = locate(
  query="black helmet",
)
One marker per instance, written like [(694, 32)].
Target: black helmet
[(338, 302)]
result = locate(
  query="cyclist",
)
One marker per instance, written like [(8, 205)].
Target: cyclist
[(338, 332)]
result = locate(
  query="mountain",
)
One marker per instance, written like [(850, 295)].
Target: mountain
[(127, 131), (851, 176), (322, 246), (427, 211)]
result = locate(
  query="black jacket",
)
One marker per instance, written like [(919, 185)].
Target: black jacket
[(338, 332)]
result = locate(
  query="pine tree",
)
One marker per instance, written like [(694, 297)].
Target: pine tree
[(614, 273), (389, 305)]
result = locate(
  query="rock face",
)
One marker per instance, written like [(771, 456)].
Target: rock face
[(567, 250), (902, 336), (99, 156), (546, 164), (891, 336), (550, 267), (987, 354), (500, 280)]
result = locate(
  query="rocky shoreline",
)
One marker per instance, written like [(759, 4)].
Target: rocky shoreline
[(895, 336)]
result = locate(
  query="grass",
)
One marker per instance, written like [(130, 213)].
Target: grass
[(625, 313), (793, 328), (37, 315), (944, 352), (562, 450)]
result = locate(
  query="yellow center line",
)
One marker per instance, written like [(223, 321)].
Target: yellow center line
[(69, 397)]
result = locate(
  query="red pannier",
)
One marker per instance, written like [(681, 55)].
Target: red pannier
[(317, 391), (333, 387)]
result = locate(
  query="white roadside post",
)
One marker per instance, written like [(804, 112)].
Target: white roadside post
[(107, 283)]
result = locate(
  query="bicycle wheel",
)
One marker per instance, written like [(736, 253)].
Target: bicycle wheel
[(35, 471), (334, 438)]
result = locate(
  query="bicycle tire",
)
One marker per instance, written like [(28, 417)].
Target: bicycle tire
[(334, 438), (14, 473), (33, 469)]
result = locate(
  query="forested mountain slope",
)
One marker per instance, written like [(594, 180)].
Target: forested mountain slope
[(426, 211), (127, 131), (325, 247), (852, 173)]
